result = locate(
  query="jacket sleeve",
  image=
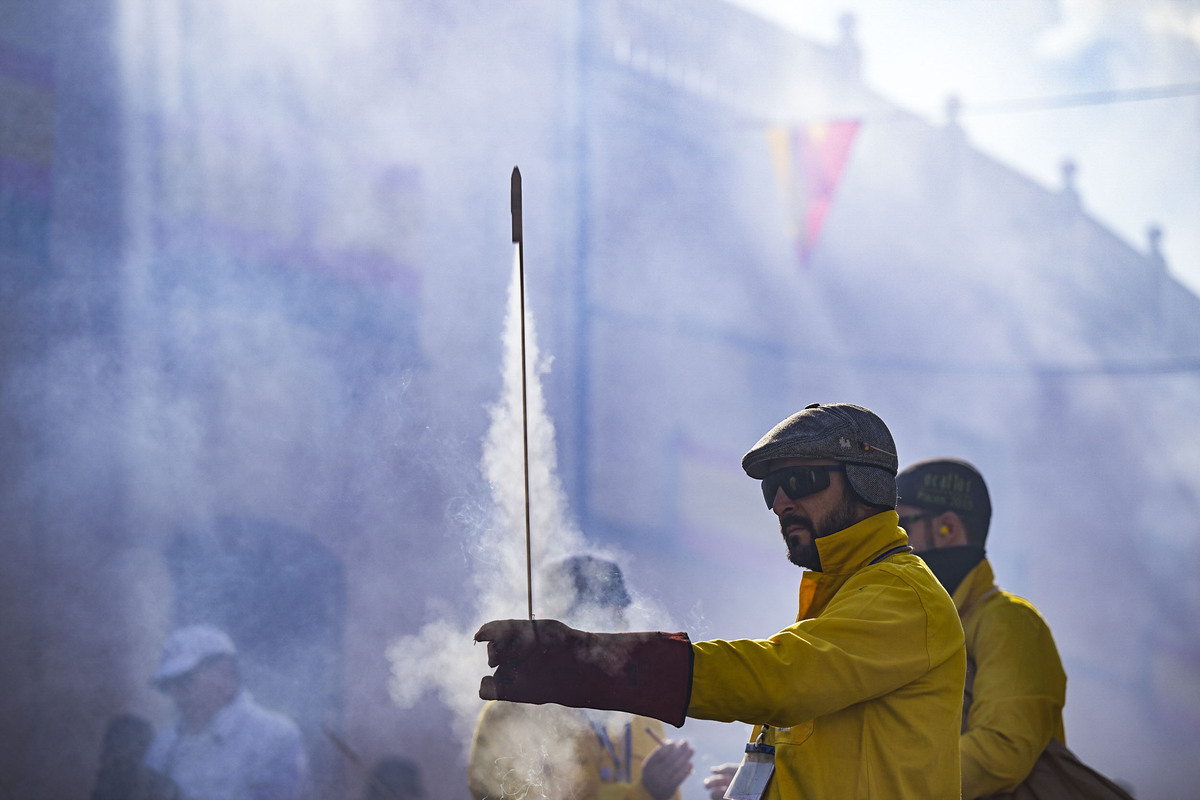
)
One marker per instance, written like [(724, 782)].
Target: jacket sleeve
[(1017, 699), (873, 637)]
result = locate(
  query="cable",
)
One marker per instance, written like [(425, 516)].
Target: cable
[(1106, 97)]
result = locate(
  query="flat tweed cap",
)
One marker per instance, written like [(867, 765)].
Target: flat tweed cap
[(841, 432)]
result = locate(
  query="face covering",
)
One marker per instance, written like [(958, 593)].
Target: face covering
[(951, 564)]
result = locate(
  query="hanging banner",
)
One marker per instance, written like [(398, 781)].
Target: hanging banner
[(809, 160)]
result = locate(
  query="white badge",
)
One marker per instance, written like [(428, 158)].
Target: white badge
[(753, 773)]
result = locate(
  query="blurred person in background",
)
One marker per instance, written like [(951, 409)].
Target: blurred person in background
[(566, 754), (122, 774), (1015, 687), (394, 778), (222, 745), (860, 697)]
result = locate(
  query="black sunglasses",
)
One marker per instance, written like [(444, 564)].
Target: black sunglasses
[(797, 482)]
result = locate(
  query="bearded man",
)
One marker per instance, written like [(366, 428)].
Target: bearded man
[(860, 697)]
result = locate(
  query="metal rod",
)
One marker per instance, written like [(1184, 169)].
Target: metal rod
[(518, 236)]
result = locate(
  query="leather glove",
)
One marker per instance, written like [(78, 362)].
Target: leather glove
[(544, 661)]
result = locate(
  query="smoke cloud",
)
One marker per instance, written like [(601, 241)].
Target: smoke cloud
[(442, 657)]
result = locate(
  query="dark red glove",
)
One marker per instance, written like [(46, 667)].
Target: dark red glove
[(544, 661)]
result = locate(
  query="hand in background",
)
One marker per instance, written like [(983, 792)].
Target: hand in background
[(666, 767), (719, 781)]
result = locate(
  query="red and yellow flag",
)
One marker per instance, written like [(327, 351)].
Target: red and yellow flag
[(809, 160)]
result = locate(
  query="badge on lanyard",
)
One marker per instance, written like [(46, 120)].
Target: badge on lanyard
[(754, 772)]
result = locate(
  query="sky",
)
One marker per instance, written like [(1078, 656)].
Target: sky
[(1137, 161)]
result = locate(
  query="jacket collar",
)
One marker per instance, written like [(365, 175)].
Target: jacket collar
[(979, 581), (845, 553), (851, 549)]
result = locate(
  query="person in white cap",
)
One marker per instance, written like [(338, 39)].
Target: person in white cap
[(223, 745)]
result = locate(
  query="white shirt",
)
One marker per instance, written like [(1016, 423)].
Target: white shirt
[(244, 753)]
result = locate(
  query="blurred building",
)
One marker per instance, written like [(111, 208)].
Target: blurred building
[(253, 260)]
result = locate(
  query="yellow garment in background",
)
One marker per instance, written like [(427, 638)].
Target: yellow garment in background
[(1019, 687), (530, 752), (864, 693)]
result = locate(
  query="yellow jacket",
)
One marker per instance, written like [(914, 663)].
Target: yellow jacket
[(863, 694), (1019, 687), (531, 752)]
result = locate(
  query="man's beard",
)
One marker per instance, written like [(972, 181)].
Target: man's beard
[(804, 553)]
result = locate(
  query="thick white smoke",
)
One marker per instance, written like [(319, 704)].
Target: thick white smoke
[(441, 658), (501, 556)]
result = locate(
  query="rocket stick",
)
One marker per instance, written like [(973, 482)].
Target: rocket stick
[(518, 237)]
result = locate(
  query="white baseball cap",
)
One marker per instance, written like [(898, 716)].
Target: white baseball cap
[(187, 647)]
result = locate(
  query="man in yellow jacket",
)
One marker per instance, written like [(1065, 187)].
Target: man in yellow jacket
[(860, 697), (1016, 684), (556, 753)]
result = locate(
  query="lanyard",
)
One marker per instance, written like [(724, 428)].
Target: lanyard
[(621, 769)]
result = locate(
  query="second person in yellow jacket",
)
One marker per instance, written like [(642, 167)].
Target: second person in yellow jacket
[(1016, 687)]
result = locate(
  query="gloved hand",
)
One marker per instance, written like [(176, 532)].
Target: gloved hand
[(544, 661)]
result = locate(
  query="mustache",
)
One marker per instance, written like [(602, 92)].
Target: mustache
[(797, 520)]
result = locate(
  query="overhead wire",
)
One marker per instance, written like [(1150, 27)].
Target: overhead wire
[(1103, 97)]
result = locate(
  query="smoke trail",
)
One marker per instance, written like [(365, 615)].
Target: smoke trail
[(441, 657), (553, 534)]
